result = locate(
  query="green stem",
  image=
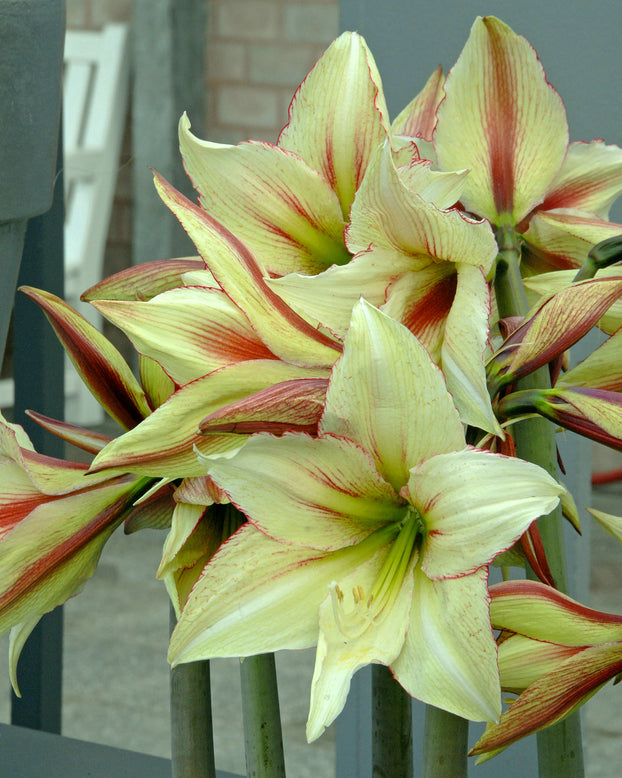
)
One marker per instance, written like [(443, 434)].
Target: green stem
[(509, 288), (392, 743), (587, 270), (445, 744), (191, 720), (191, 713), (607, 252), (560, 750), (535, 443), (262, 720)]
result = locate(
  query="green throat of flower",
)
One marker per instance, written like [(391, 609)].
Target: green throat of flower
[(371, 609)]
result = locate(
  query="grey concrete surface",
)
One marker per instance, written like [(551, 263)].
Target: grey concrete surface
[(116, 676)]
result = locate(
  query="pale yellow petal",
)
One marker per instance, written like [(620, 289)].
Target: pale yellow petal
[(462, 352), (189, 331), (328, 490), (386, 394), (590, 179), (474, 505), (232, 613), (345, 648), (418, 119), (449, 657), (282, 209), (338, 116), (503, 120), (284, 332), (562, 238), (390, 219)]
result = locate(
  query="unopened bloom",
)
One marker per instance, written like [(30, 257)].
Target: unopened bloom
[(54, 521), (553, 652), (555, 323), (587, 399), (371, 540), (546, 284)]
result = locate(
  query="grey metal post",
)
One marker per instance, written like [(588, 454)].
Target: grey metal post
[(168, 67), (168, 79), (409, 40), (39, 384), (31, 42)]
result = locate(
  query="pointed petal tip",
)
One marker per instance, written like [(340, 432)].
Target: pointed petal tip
[(516, 133), (314, 731)]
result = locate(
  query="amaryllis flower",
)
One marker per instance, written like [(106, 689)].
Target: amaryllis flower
[(503, 121), (371, 540), (54, 522), (289, 202), (553, 652), (422, 262)]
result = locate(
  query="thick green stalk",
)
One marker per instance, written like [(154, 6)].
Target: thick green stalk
[(509, 288), (445, 745), (262, 721), (560, 750), (392, 742), (535, 442), (191, 720), (191, 712)]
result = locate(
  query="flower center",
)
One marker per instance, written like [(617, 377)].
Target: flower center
[(371, 609)]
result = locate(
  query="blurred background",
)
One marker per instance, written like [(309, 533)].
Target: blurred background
[(245, 62)]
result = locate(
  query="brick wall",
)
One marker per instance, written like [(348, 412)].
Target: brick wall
[(258, 51)]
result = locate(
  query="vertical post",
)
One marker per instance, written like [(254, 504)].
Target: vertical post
[(12, 234), (39, 383), (31, 41), (169, 78)]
